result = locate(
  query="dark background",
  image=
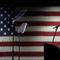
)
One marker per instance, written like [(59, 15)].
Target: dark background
[(30, 3)]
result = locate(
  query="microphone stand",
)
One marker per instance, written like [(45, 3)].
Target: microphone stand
[(13, 48), (55, 32), (19, 46)]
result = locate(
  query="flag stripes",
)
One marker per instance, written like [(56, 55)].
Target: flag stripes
[(26, 44), (38, 43), (32, 48), (39, 39), (30, 58), (8, 58), (40, 34), (26, 54), (28, 39), (39, 31)]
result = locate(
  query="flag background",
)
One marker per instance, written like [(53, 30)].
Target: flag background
[(40, 30)]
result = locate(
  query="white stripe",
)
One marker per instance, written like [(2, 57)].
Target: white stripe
[(31, 58), (41, 28), (53, 8), (41, 18), (5, 49), (40, 38), (8, 58), (22, 49), (32, 38), (32, 49), (5, 58), (8, 38), (22, 58)]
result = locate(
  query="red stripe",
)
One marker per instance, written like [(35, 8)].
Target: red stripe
[(40, 34), (9, 43), (38, 43), (39, 23), (31, 43), (32, 54), (27, 43), (3, 54), (42, 13)]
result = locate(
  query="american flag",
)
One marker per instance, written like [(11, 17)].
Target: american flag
[(40, 30)]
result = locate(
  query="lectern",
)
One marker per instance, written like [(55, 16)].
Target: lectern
[(51, 52)]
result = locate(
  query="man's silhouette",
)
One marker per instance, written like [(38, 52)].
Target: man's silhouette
[(51, 52)]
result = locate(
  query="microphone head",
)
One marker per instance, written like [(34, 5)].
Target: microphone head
[(56, 27), (22, 28)]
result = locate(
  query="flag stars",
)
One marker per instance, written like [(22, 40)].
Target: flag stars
[(5, 11), (1, 15), (11, 33), (8, 15), (5, 26), (8, 29), (13, 21), (8, 22), (4, 33), (1, 29), (1, 8), (1, 22), (5, 18)]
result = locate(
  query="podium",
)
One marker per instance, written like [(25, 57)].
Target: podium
[(51, 52)]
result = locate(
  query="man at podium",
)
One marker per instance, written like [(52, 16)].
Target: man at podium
[(51, 52)]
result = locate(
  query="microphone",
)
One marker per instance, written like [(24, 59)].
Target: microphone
[(22, 28), (55, 31), (56, 26)]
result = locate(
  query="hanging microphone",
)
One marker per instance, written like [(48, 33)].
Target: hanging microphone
[(22, 28)]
